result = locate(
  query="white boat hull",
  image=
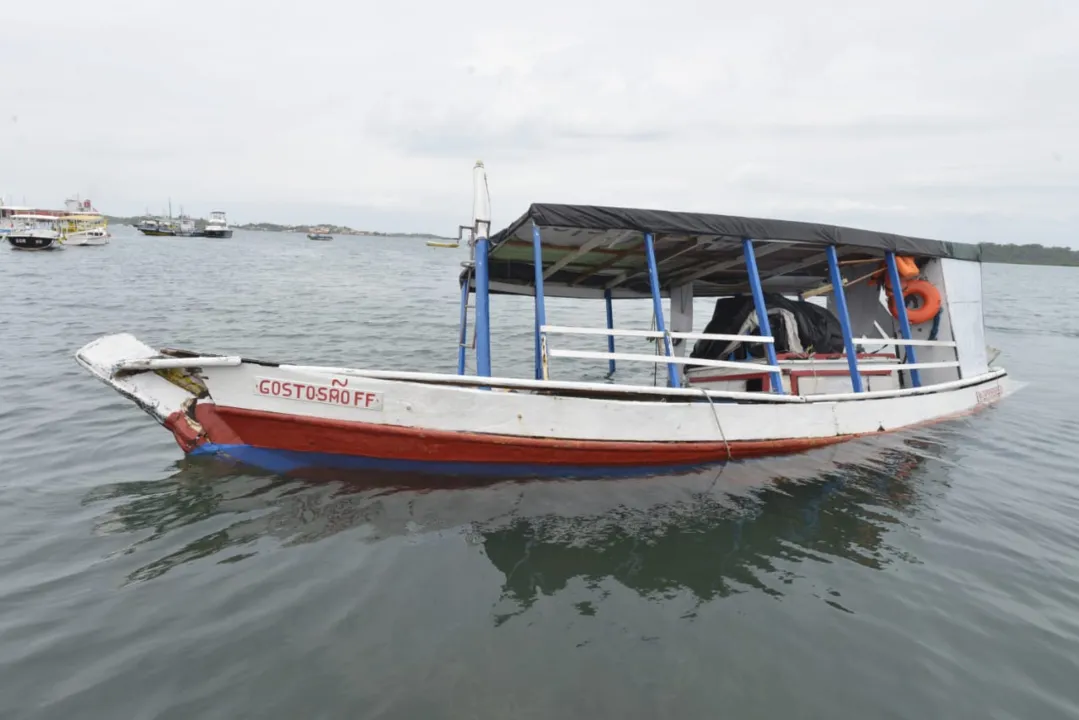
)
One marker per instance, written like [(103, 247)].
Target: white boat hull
[(86, 239), (338, 417), (35, 239)]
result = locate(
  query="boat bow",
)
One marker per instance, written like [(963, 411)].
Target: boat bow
[(113, 360)]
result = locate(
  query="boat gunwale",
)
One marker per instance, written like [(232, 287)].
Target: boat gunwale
[(480, 382)]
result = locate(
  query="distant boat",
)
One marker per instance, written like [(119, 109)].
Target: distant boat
[(436, 243), (77, 224), (35, 231), (7, 216), (319, 236), (155, 227), (74, 207), (218, 227), (84, 230), (165, 227), (82, 225), (186, 228)]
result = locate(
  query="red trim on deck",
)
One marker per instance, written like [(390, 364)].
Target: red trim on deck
[(278, 431)]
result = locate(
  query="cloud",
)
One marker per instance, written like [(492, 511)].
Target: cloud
[(954, 118)]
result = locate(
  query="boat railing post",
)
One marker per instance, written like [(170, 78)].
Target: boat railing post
[(610, 326), (541, 310), (762, 312), (462, 340), (657, 306), (483, 312), (840, 296), (901, 314)]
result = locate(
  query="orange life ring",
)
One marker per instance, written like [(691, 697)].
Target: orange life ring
[(927, 295)]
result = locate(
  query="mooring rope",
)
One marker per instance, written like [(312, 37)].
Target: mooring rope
[(715, 414)]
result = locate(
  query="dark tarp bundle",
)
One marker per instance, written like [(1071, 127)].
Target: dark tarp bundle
[(797, 326)]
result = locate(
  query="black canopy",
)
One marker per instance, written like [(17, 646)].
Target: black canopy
[(589, 249)]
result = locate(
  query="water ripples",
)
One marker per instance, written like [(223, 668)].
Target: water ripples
[(931, 573)]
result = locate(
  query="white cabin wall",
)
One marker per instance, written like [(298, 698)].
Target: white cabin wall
[(963, 280), (865, 305), (934, 273)]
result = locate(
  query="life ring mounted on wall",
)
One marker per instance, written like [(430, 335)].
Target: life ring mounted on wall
[(921, 298)]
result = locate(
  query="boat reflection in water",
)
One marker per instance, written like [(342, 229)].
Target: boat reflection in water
[(712, 532)]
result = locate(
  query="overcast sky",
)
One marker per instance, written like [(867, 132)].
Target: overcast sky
[(956, 119)]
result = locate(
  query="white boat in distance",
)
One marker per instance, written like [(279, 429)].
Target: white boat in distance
[(770, 374), (218, 226), (35, 231), (82, 225)]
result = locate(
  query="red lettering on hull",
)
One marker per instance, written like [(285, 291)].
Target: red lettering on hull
[(336, 393), (988, 395)]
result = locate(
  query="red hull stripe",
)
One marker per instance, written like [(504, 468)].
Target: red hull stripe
[(277, 431)]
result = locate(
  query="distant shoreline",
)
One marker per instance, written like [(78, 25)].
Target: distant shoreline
[(333, 230), (328, 229), (1030, 254)]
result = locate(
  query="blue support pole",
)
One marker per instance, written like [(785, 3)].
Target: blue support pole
[(762, 311), (610, 326), (844, 318), (541, 310), (901, 311), (483, 312), (462, 340), (657, 306)]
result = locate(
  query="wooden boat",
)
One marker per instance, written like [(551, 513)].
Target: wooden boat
[(739, 394), (319, 236)]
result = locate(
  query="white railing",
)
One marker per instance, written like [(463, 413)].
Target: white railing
[(657, 359), (900, 342)]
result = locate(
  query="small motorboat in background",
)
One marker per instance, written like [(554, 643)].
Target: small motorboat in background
[(218, 226), (36, 232)]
